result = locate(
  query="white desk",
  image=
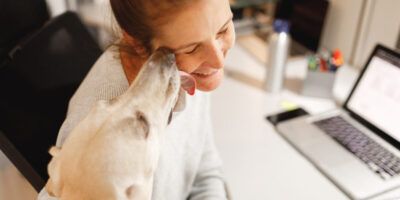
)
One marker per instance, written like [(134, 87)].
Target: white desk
[(259, 163)]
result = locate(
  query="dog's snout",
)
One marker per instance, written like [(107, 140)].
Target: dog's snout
[(165, 56), (163, 61), (159, 79)]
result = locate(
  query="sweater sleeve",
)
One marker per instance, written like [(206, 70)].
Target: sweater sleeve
[(209, 183)]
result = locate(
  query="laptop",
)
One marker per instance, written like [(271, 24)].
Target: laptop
[(357, 146)]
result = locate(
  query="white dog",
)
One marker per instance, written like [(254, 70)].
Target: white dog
[(112, 154)]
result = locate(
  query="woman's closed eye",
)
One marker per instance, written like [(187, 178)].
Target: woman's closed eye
[(193, 50), (223, 31)]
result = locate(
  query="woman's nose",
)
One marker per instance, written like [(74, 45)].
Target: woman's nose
[(216, 54)]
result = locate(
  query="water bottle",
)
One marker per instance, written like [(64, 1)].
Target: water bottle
[(279, 43)]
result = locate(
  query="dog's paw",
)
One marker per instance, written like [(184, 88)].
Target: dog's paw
[(54, 151), (53, 169), (51, 189)]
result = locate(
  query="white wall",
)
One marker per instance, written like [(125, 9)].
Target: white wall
[(355, 26), (381, 24), (340, 29)]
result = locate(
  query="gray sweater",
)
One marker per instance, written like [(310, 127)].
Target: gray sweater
[(189, 165)]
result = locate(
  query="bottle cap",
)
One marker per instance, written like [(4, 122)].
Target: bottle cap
[(281, 25)]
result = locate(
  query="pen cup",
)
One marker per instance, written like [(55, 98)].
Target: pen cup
[(318, 84)]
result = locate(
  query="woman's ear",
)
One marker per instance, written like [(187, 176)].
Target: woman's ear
[(136, 44)]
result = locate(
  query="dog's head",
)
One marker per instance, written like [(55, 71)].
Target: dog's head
[(156, 87)]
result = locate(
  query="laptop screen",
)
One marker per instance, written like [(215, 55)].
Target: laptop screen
[(377, 96)]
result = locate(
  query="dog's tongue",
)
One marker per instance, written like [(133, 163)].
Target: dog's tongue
[(188, 83)]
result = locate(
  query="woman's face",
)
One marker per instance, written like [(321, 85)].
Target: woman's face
[(200, 36)]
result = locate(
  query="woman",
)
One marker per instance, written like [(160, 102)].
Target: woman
[(199, 32)]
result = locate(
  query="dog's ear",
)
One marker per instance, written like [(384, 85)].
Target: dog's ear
[(138, 125), (143, 124)]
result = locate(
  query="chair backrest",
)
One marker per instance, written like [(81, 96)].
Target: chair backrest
[(18, 19), (35, 87)]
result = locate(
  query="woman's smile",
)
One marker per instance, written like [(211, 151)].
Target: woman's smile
[(205, 74)]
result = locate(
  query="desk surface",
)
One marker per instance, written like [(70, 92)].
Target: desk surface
[(259, 163)]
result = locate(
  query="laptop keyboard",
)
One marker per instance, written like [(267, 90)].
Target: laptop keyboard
[(380, 160)]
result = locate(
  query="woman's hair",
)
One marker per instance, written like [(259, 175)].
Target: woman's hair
[(140, 18)]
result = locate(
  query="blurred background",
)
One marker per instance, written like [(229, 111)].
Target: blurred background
[(351, 27)]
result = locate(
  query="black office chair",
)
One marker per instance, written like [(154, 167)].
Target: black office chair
[(19, 19), (36, 83)]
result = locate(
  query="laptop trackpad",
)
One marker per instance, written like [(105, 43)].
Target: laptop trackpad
[(328, 152), (315, 144)]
